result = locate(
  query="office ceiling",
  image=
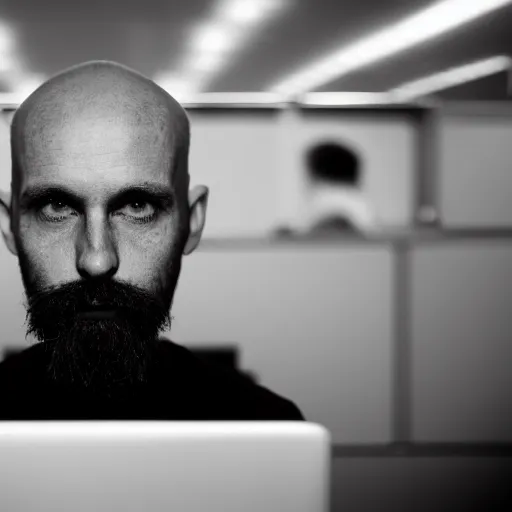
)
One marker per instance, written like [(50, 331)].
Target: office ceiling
[(151, 36)]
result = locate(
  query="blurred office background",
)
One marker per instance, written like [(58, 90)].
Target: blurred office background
[(397, 339)]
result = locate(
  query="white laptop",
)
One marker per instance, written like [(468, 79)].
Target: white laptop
[(161, 466)]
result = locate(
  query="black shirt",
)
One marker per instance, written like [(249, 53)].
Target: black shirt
[(180, 387)]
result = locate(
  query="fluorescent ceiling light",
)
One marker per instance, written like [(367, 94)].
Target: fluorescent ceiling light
[(427, 24), (205, 62), (6, 39), (7, 63), (216, 42), (7, 60), (452, 77), (243, 12), (212, 38), (240, 11), (211, 47)]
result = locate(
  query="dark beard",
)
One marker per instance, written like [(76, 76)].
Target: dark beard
[(99, 356)]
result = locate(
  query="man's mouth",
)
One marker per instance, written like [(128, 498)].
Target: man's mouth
[(98, 313)]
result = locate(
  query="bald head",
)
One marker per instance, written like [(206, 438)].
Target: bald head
[(101, 109)]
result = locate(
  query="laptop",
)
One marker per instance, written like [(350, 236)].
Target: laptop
[(162, 466)]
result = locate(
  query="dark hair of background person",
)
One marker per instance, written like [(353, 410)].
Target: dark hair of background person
[(333, 164)]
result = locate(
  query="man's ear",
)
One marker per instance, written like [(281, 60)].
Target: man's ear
[(5, 221), (198, 202)]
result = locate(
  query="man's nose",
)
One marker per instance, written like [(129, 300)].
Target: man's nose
[(96, 251)]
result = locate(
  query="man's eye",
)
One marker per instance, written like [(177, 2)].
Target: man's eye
[(140, 207), (141, 212), (57, 205), (55, 210)]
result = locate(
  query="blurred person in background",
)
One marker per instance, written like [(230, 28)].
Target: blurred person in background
[(99, 215), (335, 200)]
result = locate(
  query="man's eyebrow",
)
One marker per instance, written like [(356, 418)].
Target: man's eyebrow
[(36, 193)]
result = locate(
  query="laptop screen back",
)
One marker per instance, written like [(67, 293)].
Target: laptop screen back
[(164, 466)]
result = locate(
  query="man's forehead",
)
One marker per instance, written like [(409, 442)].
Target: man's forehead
[(97, 122), (96, 137), (96, 152)]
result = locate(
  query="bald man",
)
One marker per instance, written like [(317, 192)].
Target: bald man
[(99, 215)]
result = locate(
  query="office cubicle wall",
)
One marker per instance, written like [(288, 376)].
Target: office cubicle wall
[(475, 165), (452, 410), (460, 295), (314, 322), (235, 153), (12, 313), (5, 150), (461, 301)]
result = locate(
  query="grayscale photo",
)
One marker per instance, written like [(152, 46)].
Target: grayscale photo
[(256, 255)]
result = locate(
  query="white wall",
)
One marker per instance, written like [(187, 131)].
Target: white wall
[(235, 154), (475, 166), (314, 323), (12, 313), (461, 335), (5, 151)]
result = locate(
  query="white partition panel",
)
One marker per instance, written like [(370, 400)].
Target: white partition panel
[(12, 313), (314, 324), (5, 150), (462, 341), (235, 153), (475, 167)]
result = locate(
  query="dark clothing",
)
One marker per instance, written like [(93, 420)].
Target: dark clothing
[(180, 387)]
